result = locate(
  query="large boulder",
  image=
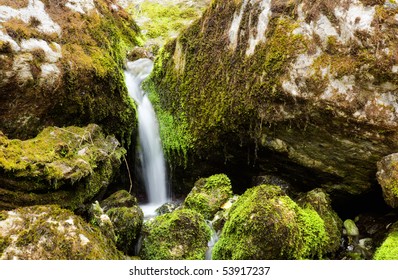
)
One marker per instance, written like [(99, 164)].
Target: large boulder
[(302, 87), (209, 194), (61, 64), (51, 233), (180, 235), (266, 224), (65, 166)]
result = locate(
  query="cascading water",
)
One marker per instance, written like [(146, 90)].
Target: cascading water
[(151, 154)]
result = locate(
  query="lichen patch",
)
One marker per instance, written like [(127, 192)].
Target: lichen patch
[(51, 55), (34, 11)]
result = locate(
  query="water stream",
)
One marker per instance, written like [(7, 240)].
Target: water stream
[(151, 153)]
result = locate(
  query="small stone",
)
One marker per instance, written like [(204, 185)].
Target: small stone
[(351, 228)]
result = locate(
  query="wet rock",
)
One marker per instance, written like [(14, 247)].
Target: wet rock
[(65, 166), (180, 235), (221, 216), (51, 233), (387, 176), (209, 194), (167, 208)]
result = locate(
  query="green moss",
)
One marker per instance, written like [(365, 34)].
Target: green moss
[(49, 232), (266, 224), (174, 133), (182, 234), (4, 243), (208, 195), (192, 79), (120, 198), (319, 201), (166, 18), (67, 166), (389, 248), (3, 215)]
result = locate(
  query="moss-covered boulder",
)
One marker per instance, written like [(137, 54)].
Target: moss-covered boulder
[(388, 250), (180, 235), (266, 224), (51, 233), (209, 194), (304, 87), (319, 200), (127, 222), (65, 166), (387, 176), (61, 64), (120, 198), (126, 217)]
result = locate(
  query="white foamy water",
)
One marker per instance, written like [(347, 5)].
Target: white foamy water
[(151, 154)]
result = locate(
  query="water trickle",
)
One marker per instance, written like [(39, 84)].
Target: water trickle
[(151, 153), (212, 242)]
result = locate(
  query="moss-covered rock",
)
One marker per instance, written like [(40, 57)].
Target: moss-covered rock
[(389, 248), (387, 176), (65, 166), (127, 222), (318, 200), (286, 85), (266, 224), (180, 235), (209, 194), (61, 64), (98, 218), (51, 233), (120, 198)]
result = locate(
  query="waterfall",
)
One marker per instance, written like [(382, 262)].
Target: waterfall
[(151, 153)]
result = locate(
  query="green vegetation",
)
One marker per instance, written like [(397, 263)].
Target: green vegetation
[(127, 222), (266, 224), (174, 133), (319, 200), (180, 235), (208, 195), (120, 198), (389, 248), (163, 20), (193, 84)]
